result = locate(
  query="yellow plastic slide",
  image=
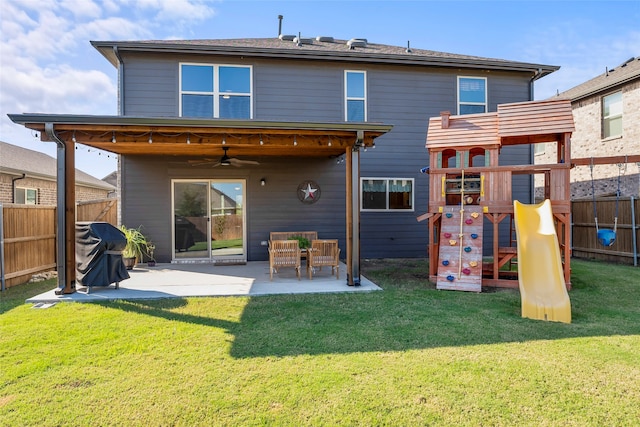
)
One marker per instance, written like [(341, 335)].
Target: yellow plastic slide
[(541, 279)]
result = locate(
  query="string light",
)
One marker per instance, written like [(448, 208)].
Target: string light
[(295, 140), (73, 138), (188, 139), (329, 144), (151, 137), (261, 141), (224, 140), (113, 138)]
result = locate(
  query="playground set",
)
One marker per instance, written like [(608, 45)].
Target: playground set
[(468, 188)]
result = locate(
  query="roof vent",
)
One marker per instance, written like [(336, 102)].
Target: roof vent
[(287, 37), (302, 40), (325, 39), (353, 43)]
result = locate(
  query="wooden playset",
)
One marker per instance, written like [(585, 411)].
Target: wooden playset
[(468, 187)]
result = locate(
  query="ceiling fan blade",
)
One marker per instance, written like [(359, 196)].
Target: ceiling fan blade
[(201, 162), (238, 162)]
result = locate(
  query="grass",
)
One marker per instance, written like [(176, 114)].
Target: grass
[(410, 355)]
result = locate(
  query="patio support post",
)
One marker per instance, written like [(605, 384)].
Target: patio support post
[(353, 211), (66, 213)]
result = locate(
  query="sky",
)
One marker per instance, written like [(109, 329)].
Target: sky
[(47, 64)]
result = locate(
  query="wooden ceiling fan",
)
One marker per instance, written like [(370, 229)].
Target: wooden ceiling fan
[(225, 160)]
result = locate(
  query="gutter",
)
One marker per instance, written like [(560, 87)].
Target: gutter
[(106, 49), (13, 186)]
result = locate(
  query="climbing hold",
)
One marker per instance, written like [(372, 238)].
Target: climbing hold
[(466, 271), (447, 235), (473, 263), (475, 215), (468, 221), (449, 214), (467, 249), (474, 236), (452, 242), (450, 278), (445, 262)]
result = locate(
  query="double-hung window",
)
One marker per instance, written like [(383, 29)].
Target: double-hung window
[(215, 91), (472, 95), (355, 96), (612, 115), (385, 194), (26, 196)]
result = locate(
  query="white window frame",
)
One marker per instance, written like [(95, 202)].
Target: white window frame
[(611, 117), (25, 190), (347, 98), (216, 87), (387, 179), (486, 93)]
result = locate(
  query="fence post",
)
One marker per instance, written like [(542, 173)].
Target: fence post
[(2, 281), (634, 232)]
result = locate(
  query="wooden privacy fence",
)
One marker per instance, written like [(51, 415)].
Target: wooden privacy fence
[(585, 243), (28, 236)]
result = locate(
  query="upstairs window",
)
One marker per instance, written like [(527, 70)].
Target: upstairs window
[(472, 95), (26, 196), (215, 91), (612, 115), (384, 194), (355, 89)]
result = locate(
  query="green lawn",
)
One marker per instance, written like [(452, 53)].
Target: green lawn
[(410, 355)]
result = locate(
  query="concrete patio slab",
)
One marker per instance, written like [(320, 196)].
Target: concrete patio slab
[(200, 280)]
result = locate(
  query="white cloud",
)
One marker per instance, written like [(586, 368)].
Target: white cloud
[(82, 8)]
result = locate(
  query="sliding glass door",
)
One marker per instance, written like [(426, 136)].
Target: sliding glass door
[(209, 220)]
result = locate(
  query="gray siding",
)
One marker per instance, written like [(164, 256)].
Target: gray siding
[(274, 207), (404, 96)]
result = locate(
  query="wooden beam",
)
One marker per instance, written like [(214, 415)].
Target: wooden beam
[(610, 160)]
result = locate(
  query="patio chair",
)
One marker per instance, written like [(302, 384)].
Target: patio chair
[(323, 253), (284, 253)]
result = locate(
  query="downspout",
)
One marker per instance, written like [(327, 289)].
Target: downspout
[(116, 52), (66, 285), (532, 151), (120, 81), (13, 187)]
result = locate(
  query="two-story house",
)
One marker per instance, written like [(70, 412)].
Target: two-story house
[(287, 133)]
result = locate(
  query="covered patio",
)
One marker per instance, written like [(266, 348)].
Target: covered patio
[(200, 138), (207, 280)]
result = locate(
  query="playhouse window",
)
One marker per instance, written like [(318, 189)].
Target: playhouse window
[(383, 194), (612, 115), (472, 95), (215, 91)]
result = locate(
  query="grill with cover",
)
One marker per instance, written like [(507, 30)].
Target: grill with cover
[(99, 248)]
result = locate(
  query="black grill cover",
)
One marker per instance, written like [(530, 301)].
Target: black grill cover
[(99, 248)]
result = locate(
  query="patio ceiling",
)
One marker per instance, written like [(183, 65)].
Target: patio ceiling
[(205, 137)]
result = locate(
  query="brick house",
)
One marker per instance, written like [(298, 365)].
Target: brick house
[(29, 177), (606, 113)]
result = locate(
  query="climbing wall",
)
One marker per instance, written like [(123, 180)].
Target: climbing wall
[(460, 267)]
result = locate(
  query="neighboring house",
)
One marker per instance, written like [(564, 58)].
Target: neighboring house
[(29, 177), (182, 101), (606, 113)]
